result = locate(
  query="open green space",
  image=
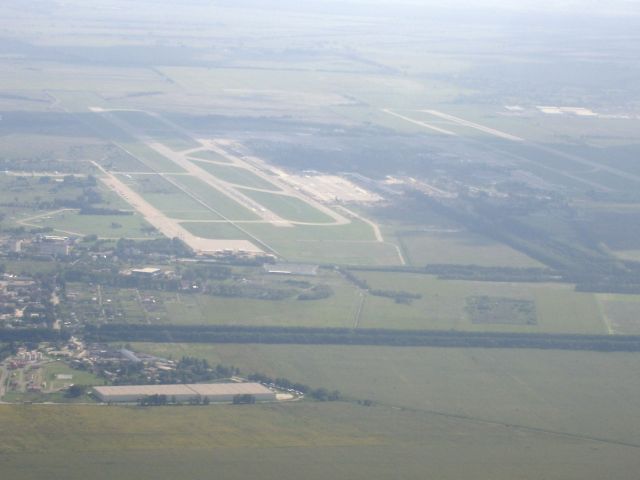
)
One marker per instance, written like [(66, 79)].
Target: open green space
[(461, 248), (351, 244), (620, 312), (157, 128), (533, 388), (284, 441), (52, 370), (219, 230), (559, 309), (125, 305), (237, 176), (105, 226), (167, 197), (214, 198), (289, 208), (209, 155), (336, 311), (152, 159)]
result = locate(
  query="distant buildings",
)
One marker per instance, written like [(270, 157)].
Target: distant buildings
[(292, 269), (147, 272), (53, 245), (214, 392)]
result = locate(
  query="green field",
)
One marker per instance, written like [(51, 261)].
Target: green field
[(337, 310), (289, 208), (209, 155), (152, 159), (124, 305), (531, 388), (237, 176), (351, 244), (442, 306), (620, 312), (214, 198), (215, 230), (105, 226), (462, 248), (168, 198), (53, 387), (157, 128), (280, 442)]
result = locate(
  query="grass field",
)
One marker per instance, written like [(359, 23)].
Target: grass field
[(237, 176), (209, 155), (105, 226), (79, 377), (442, 306), (620, 312), (532, 388), (151, 158), (462, 248), (53, 387), (284, 442), (351, 244), (212, 197), (336, 311), (215, 230), (124, 305), (156, 128), (289, 208), (168, 198)]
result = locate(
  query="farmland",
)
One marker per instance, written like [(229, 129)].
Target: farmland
[(429, 213), (282, 441), (442, 305)]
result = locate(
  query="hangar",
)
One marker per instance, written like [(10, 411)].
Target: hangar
[(214, 392)]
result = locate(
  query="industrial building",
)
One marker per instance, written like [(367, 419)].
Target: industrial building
[(292, 269), (214, 392), (54, 246), (147, 272)]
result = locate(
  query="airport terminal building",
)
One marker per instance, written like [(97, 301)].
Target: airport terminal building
[(214, 392)]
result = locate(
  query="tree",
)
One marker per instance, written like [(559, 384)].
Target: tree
[(75, 391)]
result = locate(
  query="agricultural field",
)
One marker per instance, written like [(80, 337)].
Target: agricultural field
[(282, 441), (459, 247), (255, 298), (105, 226), (530, 388), (127, 305), (620, 313), (51, 201), (558, 308), (494, 143)]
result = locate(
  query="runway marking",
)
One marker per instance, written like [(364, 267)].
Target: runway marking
[(422, 124), (477, 126)]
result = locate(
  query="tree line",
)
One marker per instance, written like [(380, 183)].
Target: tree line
[(342, 336)]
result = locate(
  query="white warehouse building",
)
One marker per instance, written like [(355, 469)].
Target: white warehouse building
[(214, 392)]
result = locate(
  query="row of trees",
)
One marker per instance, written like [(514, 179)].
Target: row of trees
[(399, 296), (321, 394), (339, 336)]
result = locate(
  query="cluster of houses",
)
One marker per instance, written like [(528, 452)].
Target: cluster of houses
[(23, 301), (43, 245)]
